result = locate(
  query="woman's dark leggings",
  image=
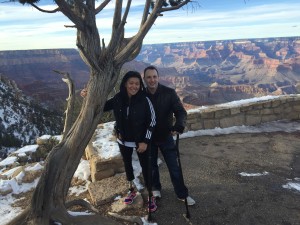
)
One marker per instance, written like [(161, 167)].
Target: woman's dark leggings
[(126, 153)]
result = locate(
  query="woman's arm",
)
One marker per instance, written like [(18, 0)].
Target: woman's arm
[(109, 104), (151, 121)]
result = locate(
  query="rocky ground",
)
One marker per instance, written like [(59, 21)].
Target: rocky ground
[(212, 167)]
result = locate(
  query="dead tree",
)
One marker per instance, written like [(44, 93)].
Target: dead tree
[(105, 62)]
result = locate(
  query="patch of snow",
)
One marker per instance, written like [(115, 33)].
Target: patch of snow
[(243, 174), (293, 185), (8, 161), (27, 148)]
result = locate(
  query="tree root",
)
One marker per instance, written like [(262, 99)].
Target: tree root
[(25, 218), (133, 219), (95, 219), (81, 203), (20, 219)]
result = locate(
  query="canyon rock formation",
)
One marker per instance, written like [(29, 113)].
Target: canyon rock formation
[(203, 73), (219, 71)]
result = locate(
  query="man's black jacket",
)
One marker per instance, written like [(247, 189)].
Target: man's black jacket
[(167, 104)]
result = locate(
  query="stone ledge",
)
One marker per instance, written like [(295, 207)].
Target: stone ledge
[(250, 113), (108, 189)]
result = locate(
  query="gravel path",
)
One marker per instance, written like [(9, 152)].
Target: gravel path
[(211, 166)]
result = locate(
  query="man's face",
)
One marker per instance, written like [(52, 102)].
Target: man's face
[(151, 79)]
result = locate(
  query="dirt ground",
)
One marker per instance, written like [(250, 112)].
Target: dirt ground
[(211, 166)]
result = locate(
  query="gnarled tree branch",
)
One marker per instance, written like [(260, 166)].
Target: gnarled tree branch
[(43, 10), (69, 113), (146, 11), (102, 6), (66, 9), (118, 42), (180, 5)]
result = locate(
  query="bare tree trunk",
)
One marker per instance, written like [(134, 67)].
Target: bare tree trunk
[(48, 201)]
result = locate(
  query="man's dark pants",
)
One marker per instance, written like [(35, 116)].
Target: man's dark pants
[(169, 152)]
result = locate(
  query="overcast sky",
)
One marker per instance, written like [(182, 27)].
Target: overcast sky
[(23, 27)]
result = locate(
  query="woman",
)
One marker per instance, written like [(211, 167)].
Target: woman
[(135, 121)]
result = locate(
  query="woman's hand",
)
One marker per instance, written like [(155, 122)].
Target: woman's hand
[(142, 147)]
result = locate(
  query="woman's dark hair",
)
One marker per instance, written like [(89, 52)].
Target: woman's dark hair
[(150, 68), (128, 75)]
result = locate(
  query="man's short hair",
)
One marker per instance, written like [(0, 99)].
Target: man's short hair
[(150, 68)]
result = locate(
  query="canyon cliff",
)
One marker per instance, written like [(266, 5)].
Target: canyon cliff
[(218, 71), (203, 73), (32, 70)]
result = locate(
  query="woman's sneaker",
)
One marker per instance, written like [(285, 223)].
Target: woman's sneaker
[(156, 194), (131, 195), (152, 207)]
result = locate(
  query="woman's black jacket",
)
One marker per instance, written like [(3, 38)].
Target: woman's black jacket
[(141, 113)]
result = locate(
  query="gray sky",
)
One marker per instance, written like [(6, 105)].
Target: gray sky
[(23, 27)]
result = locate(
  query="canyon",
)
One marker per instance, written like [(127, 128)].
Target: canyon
[(212, 72), (203, 73)]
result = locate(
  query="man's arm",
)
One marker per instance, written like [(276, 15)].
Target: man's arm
[(179, 113)]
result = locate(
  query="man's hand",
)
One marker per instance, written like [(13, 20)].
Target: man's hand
[(142, 147), (83, 93), (174, 133), (177, 129)]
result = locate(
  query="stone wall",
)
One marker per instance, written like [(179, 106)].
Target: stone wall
[(248, 113), (108, 166)]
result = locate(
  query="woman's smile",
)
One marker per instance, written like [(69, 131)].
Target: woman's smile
[(132, 86)]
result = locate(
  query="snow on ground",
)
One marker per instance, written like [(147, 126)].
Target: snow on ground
[(293, 185), (83, 171), (243, 174)]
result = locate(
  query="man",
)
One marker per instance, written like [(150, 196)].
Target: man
[(166, 104)]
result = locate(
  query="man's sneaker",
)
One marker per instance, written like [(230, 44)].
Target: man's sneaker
[(152, 207), (189, 200), (129, 199), (156, 194)]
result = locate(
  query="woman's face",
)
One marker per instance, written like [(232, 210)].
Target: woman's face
[(132, 86)]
